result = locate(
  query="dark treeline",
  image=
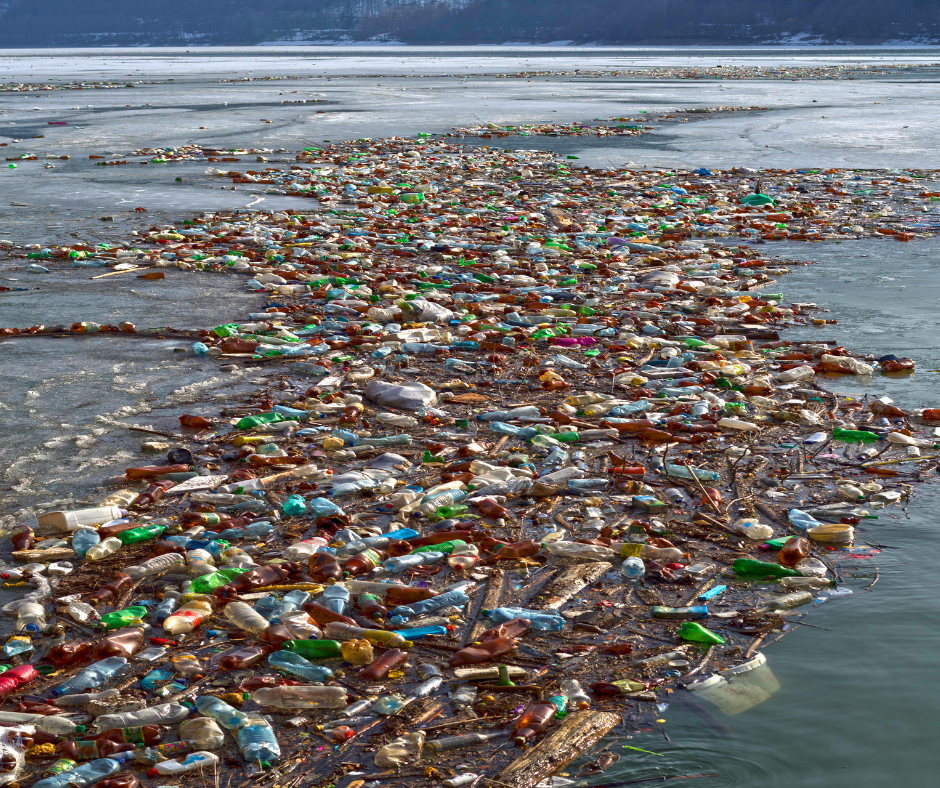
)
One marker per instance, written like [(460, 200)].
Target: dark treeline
[(30, 23)]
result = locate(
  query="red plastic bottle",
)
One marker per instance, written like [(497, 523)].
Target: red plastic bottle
[(17, 677), (154, 493), (381, 666)]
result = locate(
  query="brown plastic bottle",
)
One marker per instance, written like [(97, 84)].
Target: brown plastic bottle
[(380, 668), (107, 531), (152, 471), (110, 591), (255, 578), (69, 653), (794, 550), (154, 493), (462, 476), (163, 547), (22, 537), (372, 607), (439, 537), (91, 749), (405, 595), (275, 635), (245, 657), (363, 563), (122, 643), (123, 780), (514, 628), (324, 568), (521, 549), (322, 615), (534, 720), (397, 547), (483, 652)]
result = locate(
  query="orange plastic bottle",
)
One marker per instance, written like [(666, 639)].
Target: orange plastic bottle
[(534, 720), (380, 668), (324, 568), (195, 422)]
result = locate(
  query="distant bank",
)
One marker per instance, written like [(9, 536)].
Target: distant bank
[(65, 23)]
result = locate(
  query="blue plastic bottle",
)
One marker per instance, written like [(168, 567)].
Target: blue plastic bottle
[(455, 598), (227, 716), (421, 632), (165, 609), (293, 600), (546, 620), (402, 562), (84, 539), (258, 742), (87, 773), (296, 665), (92, 677)]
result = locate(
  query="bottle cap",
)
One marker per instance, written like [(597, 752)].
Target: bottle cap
[(81, 728)]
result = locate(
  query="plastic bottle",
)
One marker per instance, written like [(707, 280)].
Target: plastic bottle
[(381, 666), (690, 630), (220, 711), (340, 631), (534, 720), (794, 550), (483, 652), (244, 616), (243, 658), (92, 677), (195, 761), (83, 699), (188, 666), (854, 436), (454, 598), (448, 743), (303, 697), (141, 534), (83, 539), (296, 665), (258, 742), (155, 566), (123, 643), (571, 689), (335, 598), (633, 570), (103, 548), (165, 609), (357, 652), (122, 618), (752, 529), (363, 563), (314, 649), (13, 678), (83, 775), (545, 620), (201, 733), (30, 618), (188, 617), (70, 521), (164, 714)]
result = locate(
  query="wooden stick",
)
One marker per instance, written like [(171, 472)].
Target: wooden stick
[(125, 271)]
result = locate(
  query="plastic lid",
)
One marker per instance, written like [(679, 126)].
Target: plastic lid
[(152, 772), (81, 728)]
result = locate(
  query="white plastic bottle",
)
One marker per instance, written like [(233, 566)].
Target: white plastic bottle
[(103, 549), (192, 762), (752, 529)]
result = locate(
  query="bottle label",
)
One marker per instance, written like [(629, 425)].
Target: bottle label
[(631, 550), (133, 735)]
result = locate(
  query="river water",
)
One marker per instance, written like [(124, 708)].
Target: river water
[(856, 701)]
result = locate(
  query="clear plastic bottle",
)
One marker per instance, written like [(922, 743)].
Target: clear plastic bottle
[(83, 775), (227, 716), (201, 733), (164, 714), (245, 617), (258, 742), (571, 689), (104, 548), (155, 566), (301, 697)]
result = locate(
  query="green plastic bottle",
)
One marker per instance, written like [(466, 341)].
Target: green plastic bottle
[(443, 547), (748, 567), (205, 584), (314, 649), (699, 634), (565, 437), (445, 512), (258, 419), (141, 534), (854, 436), (122, 618)]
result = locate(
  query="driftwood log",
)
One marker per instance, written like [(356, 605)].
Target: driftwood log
[(578, 732), (571, 582)]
